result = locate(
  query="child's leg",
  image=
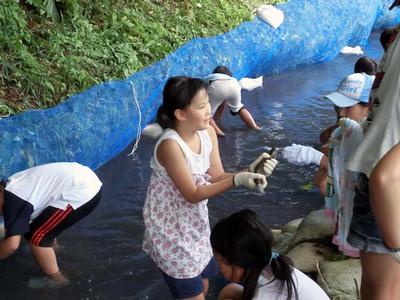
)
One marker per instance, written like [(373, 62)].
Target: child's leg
[(231, 291), (384, 184), (192, 288), (47, 226), (206, 285), (46, 258), (198, 297), (185, 289), (380, 277)]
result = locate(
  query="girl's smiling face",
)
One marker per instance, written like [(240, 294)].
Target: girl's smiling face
[(198, 113)]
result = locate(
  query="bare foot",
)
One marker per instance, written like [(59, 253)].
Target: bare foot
[(58, 279), (52, 281)]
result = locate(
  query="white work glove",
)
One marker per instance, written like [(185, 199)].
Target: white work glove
[(250, 180), (395, 255), (302, 155), (268, 165)]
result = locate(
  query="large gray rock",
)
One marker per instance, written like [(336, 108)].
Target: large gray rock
[(282, 241), (292, 225), (340, 279), (306, 255), (316, 226)]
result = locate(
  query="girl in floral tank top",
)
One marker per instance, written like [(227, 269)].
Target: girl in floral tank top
[(187, 170)]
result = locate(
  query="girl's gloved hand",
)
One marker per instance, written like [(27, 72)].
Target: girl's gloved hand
[(302, 155), (250, 180), (268, 165)]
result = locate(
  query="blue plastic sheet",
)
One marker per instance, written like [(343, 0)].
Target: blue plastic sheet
[(93, 126)]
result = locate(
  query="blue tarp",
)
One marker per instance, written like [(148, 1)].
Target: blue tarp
[(93, 126)]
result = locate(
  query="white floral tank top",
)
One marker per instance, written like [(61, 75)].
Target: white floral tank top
[(177, 232)]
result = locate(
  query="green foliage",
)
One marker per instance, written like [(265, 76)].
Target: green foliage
[(50, 49)]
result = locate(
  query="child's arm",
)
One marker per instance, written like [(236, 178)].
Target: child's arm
[(9, 245), (320, 180), (384, 185)]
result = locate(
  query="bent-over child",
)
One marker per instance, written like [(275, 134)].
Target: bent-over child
[(40, 203), (224, 88)]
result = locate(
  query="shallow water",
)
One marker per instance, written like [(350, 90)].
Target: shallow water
[(102, 255)]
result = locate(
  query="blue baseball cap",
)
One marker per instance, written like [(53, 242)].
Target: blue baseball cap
[(352, 89)]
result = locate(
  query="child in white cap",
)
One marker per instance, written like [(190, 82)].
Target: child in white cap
[(335, 182)]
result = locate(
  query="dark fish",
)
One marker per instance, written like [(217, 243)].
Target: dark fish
[(259, 167)]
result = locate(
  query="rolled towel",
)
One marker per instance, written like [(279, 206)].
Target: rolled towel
[(270, 15), (152, 130), (347, 50), (251, 83)]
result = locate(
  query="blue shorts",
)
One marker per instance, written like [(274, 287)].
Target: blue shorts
[(364, 233), (191, 287)]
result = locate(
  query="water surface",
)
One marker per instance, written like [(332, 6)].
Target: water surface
[(102, 255)]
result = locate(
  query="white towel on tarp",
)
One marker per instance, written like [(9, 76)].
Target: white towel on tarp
[(347, 50), (270, 15), (251, 83), (152, 130)]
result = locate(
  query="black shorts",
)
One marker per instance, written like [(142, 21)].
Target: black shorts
[(53, 221)]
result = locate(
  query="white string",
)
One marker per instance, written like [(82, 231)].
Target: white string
[(139, 127)]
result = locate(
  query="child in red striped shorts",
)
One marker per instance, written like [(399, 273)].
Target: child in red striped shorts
[(40, 202)]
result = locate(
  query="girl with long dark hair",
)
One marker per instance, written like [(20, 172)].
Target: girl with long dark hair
[(242, 246)]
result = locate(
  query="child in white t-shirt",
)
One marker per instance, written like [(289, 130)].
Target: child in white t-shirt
[(242, 246), (40, 203)]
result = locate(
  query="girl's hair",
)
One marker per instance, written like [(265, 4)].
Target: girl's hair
[(244, 241), (222, 70), (177, 94), (365, 65)]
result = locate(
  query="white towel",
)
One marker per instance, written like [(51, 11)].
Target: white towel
[(153, 130), (347, 50), (251, 83), (270, 15)]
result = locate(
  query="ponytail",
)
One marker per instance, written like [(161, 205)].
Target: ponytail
[(282, 268), (164, 119), (250, 282)]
